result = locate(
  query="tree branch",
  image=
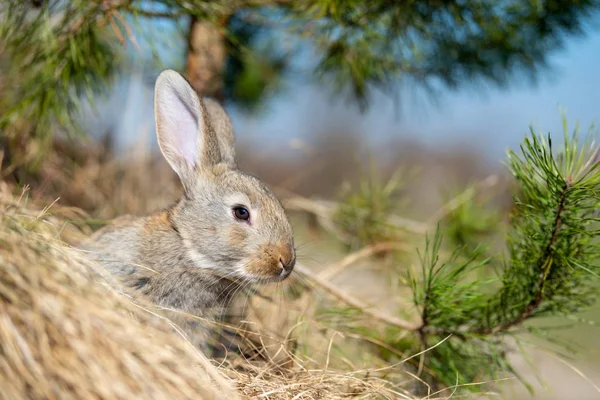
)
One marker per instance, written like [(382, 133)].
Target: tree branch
[(545, 264), (324, 209), (462, 198), (351, 258), (354, 302)]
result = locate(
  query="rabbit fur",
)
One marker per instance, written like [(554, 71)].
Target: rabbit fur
[(195, 255)]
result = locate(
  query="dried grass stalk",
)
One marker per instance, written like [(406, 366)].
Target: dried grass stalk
[(65, 333)]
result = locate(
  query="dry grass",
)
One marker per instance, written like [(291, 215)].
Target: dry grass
[(66, 331), (88, 177), (310, 385), (285, 350)]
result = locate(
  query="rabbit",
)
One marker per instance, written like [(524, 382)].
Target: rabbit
[(227, 231)]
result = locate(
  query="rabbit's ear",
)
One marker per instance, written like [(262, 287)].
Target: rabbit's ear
[(185, 136), (220, 121)]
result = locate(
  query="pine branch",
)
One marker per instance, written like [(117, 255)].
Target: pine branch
[(544, 265), (553, 256)]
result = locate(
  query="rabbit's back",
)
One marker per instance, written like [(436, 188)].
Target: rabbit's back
[(149, 255), (116, 246)]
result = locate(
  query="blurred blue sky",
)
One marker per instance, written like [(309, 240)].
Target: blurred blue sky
[(490, 120)]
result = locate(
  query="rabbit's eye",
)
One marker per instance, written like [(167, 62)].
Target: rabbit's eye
[(241, 213)]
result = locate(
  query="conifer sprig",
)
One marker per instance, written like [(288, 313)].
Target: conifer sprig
[(550, 268)]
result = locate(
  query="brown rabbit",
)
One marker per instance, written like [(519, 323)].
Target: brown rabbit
[(228, 230)]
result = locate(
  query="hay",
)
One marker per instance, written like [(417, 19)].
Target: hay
[(262, 383), (67, 331), (63, 334)]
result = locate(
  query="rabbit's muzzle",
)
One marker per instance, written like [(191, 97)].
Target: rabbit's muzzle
[(272, 262)]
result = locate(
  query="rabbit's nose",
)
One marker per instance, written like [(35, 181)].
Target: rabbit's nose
[(289, 265)]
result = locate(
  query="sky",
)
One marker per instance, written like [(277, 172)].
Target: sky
[(491, 120)]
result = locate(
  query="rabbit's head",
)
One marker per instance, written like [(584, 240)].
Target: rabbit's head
[(228, 221)]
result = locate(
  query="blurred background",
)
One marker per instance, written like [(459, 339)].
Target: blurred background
[(483, 117), (333, 102)]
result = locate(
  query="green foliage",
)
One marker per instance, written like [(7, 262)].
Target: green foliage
[(450, 300), (475, 308), (375, 43), (549, 270), (553, 246), (254, 67), (364, 212), (474, 221), (443, 292), (52, 57)]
